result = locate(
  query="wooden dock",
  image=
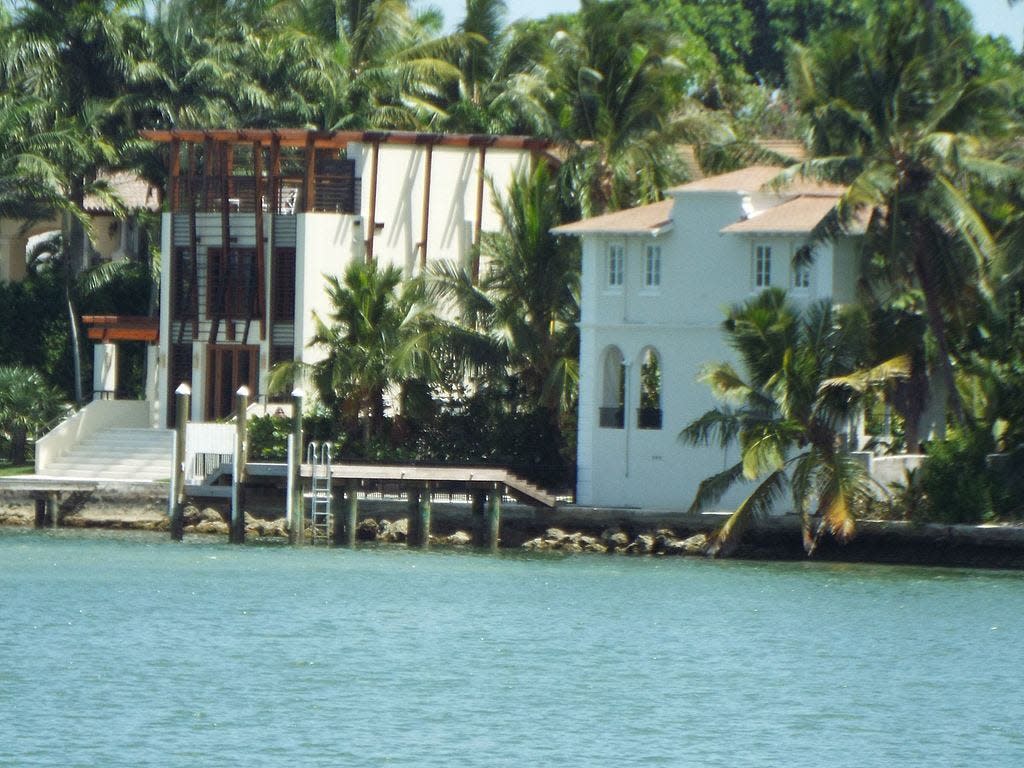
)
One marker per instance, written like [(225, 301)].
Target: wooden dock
[(439, 478), (47, 493)]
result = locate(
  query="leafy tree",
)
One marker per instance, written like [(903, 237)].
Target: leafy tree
[(377, 336), (806, 374), (898, 112), (516, 329), (27, 405)]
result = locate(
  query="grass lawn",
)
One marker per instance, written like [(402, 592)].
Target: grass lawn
[(6, 470)]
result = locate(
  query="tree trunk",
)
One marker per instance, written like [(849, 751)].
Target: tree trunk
[(937, 324), (19, 446)]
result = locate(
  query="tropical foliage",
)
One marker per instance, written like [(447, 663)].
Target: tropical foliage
[(901, 101), (806, 373)]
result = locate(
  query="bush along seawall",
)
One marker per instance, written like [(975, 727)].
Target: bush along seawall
[(566, 530)]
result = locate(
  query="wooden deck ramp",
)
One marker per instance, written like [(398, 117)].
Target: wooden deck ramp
[(441, 478)]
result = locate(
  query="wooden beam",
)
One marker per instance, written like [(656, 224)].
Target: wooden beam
[(425, 226), (261, 283), (172, 184), (309, 195), (371, 226), (478, 221)]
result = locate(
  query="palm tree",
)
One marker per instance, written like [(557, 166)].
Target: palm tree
[(518, 325), (377, 336), (805, 379), (502, 85), (622, 104), (368, 63), (28, 403), (900, 113)]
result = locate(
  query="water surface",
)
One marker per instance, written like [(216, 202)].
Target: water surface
[(125, 649)]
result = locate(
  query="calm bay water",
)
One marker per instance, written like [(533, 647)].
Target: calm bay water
[(124, 649)]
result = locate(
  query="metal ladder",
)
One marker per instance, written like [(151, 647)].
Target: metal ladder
[(319, 459)]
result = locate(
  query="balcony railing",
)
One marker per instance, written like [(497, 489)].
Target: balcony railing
[(337, 193)]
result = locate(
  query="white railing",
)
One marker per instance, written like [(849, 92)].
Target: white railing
[(95, 417), (208, 445), (887, 471)]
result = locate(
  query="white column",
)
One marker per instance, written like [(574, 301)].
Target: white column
[(104, 371)]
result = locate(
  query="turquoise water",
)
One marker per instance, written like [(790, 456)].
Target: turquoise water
[(124, 649)]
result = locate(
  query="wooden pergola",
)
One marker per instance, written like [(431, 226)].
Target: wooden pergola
[(321, 185)]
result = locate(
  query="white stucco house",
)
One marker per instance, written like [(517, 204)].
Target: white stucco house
[(655, 283)]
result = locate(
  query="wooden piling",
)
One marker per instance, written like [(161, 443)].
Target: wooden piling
[(237, 529), (182, 396), (479, 526), (493, 519), (423, 525), (297, 522), (412, 514), (40, 512), (53, 509), (348, 530)]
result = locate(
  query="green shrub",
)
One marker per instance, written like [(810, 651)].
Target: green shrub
[(956, 481)]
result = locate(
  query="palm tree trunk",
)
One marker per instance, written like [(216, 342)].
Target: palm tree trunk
[(76, 346), (937, 324)]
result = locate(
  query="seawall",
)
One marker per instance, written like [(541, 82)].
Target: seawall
[(144, 506)]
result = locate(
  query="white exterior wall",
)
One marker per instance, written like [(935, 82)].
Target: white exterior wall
[(703, 272), (453, 198)]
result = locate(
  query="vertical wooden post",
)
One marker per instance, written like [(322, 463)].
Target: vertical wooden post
[(172, 183), (260, 202), (412, 510), (309, 188), (297, 528), (479, 534), (348, 538), (182, 397), (53, 509), (423, 524), (493, 518), (237, 534), (40, 521), (371, 225), (425, 226), (479, 221)]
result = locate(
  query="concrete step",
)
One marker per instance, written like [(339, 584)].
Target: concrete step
[(118, 454)]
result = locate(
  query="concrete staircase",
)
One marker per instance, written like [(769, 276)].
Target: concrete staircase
[(122, 453)]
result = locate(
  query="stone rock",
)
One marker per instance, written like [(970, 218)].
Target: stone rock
[(641, 545), (614, 539), (458, 539), (209, 526), (591, 544), (555, 534), (696, 544), (190, 515), (393, 532), (367, 530)]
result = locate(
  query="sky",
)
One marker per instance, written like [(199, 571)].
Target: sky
[(994, 17)]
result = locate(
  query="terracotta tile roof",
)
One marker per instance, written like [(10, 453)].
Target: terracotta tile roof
[(134, 191), (797, 216), (754, 179), (646, 219)]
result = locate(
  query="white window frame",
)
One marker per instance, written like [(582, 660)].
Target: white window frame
[(761, 266), (802, 278), (615, 267), (652, 267)]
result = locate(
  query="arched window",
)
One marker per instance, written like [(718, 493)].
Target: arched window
[(613, 391), (648, 415)]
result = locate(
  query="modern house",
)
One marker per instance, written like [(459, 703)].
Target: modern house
[(255, 219), (655, 282)]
